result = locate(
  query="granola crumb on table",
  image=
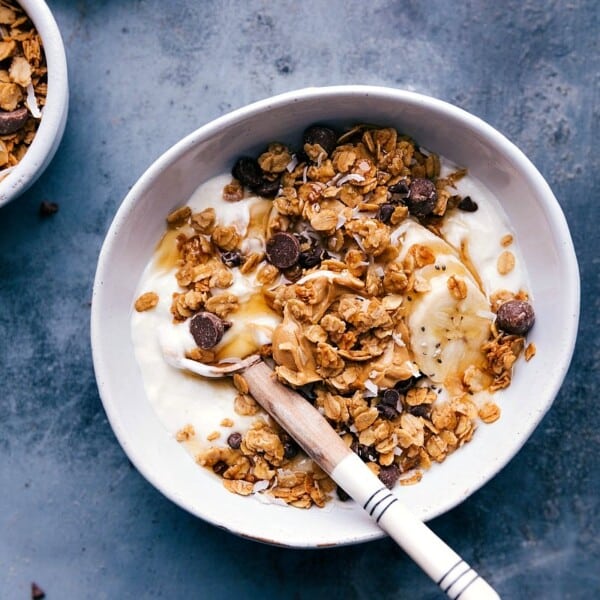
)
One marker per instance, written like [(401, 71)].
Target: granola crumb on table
[(331, 270)]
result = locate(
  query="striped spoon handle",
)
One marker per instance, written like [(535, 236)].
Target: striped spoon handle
[(314, 434), (453, 575)]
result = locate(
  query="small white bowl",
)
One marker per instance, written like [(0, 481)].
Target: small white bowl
[(534, 213), (54, 113)]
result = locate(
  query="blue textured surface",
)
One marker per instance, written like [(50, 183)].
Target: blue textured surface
[(74, 515)]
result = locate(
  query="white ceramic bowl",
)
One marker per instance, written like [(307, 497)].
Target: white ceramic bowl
[(54, 113), (529, 203)]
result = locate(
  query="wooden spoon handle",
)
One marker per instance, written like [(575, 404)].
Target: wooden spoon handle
[(318, 439), (297, 416)]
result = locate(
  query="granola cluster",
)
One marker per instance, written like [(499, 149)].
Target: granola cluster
[(23, 84), (332, 268)]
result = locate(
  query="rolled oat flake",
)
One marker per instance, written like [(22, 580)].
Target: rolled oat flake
[(283, 250), (207, 330)]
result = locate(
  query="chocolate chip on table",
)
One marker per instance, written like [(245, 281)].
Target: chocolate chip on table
[(207, 330), (247, 171), (324, 136), (235, 440), (283, 250), (422, 197), (385, 212), (12, 121), (231, 258), (389, 475), (516, 317), (37, 593), (48, 209), (468, 204)]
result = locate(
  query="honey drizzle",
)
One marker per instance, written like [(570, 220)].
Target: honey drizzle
[(242, 340)]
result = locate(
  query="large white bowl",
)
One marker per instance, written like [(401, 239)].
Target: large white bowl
[(54, 114), (529, 203)]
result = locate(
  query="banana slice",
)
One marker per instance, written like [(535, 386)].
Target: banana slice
[(450, 321)]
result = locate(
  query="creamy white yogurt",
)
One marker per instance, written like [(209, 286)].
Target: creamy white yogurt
[(180, 399)]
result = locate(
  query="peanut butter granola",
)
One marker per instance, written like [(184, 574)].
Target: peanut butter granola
[(379, 322)]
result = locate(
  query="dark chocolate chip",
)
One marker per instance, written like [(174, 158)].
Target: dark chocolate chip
[(420, 410), (247, 171), (48, 209), (206, 329), (290, 448), (389, 475), (386, 411), (390, 397), (231, 258), (13, 121), (467, 204), (422, 197), (516, 317), (342, 495), (324, 136), (283, 250), (266, 188), (308, 391), (385, 212), (405, 384), (235, 440), (366, 453), (220, 467), (311, 258), (401, 188)]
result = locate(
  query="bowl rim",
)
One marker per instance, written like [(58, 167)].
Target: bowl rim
[(54, 113), (559, 231)]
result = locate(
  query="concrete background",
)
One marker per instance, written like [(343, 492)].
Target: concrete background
[(74, 515)]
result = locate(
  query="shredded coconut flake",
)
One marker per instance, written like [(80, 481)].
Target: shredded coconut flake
[(486, 314), (358, 241), (334, 180), (292, 164), (232, 360), (398, 340), (31, 102), (371, 389), (350, 177), (260, 485)]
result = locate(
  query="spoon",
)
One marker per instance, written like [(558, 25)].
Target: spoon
[(319, 440)]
